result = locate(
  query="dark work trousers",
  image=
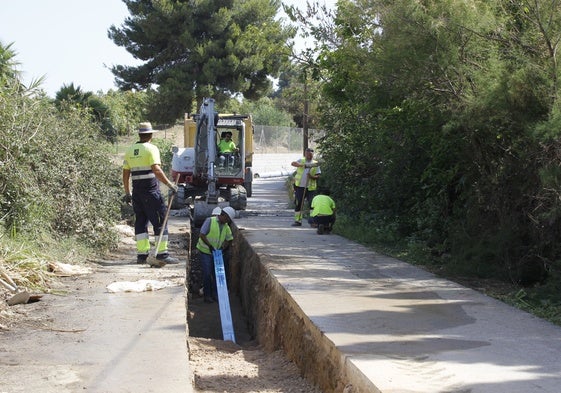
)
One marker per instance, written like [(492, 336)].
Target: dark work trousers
[(209, 276), (209, 273), (328, 221), (149, 207), (299, 196)]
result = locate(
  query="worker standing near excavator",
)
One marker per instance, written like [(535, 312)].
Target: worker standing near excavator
[(142, 164), (305, 183)]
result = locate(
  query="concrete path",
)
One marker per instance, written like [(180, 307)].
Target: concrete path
[(398, 328)]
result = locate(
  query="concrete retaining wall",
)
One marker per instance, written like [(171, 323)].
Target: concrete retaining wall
[(278, 323)]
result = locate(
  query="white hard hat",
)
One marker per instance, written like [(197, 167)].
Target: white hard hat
[(216, 211), (230, 212)]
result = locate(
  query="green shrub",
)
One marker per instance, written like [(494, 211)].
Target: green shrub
[(166, 154), (57, 175)]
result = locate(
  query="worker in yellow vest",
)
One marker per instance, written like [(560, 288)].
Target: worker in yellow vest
[(227, 149), (215, 234), (323, 212), (142, 165), (305, 183)]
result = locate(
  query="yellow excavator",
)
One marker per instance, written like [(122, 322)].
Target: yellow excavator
[(209, 177)]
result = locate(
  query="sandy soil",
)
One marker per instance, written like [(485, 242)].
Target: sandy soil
[(221, 366)]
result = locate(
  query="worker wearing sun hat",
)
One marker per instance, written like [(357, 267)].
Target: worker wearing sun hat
[(142, 165), (215, 234)]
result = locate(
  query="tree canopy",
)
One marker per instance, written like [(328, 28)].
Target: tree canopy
[(442, 127), (192, 49)]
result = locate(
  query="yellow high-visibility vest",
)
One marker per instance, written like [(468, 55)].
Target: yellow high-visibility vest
[(312, 183), (216, 236)]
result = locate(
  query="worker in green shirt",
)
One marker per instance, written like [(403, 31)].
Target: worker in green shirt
[(227, 149), (323, 213)]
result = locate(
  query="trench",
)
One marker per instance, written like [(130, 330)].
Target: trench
[(204, 318), (264, 314)]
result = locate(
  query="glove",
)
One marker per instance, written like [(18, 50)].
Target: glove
[(173, 188), (127, 199)]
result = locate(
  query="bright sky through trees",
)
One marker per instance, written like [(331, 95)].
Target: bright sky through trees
[(66, 40)]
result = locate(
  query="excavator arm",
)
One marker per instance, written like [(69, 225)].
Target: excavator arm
[(208, 118)]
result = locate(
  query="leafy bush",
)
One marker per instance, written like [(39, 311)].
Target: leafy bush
[(57, 175), (166, 154)]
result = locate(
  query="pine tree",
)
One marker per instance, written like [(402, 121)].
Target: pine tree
[(193, 49)]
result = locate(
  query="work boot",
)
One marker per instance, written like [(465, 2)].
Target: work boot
[(168, 260), (141, 259), (297, 224), (321, 229)]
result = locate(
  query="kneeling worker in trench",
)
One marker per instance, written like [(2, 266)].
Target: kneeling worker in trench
[(215, 234)]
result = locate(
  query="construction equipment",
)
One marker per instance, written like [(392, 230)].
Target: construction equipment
[(206, 181)]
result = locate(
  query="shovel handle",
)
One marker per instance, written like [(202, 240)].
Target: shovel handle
[(8, 278), (165, 219), (8, 286)]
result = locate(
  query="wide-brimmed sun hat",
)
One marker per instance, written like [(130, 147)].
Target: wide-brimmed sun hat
[(145, 128)]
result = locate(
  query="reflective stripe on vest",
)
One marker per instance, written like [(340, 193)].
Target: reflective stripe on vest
[(141, 173)]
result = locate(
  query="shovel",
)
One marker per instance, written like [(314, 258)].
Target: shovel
[(19, 297), (152, 260)]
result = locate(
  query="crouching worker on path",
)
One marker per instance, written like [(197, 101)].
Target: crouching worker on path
[(142, 164), (323, 213), (215, 234)]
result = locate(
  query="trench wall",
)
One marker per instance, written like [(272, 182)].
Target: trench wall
[(279, 323)]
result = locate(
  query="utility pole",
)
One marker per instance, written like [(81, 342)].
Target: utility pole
[(305, 118)]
